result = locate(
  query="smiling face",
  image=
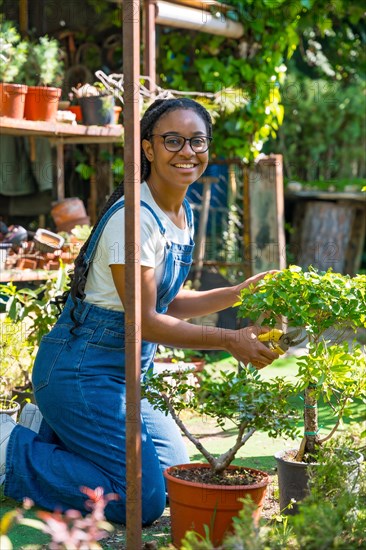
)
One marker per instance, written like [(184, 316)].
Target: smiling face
[(179, 168)]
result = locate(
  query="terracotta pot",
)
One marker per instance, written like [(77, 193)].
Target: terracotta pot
[(68, 213), (117, 112), (47, 241), (12, 100), (194, 505), (42, 103), (10, 408), (76, 109)]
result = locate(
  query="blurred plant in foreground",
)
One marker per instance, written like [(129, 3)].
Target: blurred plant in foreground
[(68, 531)]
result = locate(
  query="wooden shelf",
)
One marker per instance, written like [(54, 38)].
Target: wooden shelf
[(61, 131), (61, 134)]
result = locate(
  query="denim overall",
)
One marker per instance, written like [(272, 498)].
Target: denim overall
[(80, 388)]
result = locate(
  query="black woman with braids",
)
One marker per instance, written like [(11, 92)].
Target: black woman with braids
[(77, 436)]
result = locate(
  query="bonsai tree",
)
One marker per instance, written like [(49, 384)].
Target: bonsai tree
[(327, 306), (241, 399), (13, 52)]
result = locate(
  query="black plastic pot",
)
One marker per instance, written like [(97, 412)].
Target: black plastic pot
[(292, 481), (293, 478), (97, 110)]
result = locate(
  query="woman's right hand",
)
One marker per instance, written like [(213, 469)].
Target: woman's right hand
[(244, 345)]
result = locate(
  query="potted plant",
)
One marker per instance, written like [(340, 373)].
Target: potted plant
[(96, 104), (327, 306), (207, 495), (13, 55), (9, 407), (43, 73)]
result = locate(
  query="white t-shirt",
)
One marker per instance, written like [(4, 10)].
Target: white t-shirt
[(99, 288)]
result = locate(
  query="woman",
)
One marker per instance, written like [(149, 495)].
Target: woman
[(79, 372)]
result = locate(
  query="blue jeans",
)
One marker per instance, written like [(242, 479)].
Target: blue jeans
[(79, 384)]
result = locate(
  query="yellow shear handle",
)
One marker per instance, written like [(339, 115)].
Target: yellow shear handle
[(271, 338)]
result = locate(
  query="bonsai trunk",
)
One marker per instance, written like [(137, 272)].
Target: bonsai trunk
[(220, 463), (311, 439)]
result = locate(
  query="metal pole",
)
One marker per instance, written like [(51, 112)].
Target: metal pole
[(131, 69), (150, 44)]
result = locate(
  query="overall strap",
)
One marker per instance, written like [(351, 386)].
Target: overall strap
[(189, 214), (92, 246), (161, 227)]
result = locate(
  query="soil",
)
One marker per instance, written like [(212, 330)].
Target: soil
[(230, 476), (307, 458)]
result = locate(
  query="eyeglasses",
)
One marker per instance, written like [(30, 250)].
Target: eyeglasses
[(174, 144)]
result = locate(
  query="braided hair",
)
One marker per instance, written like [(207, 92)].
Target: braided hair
[(152, 115)]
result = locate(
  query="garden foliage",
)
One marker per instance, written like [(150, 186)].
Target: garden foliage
[(241, 400), (29, 314), (327, 306)]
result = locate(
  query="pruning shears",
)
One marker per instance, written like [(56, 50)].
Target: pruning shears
[(280, 341)]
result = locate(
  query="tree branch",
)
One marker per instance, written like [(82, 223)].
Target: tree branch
[(211, 459)]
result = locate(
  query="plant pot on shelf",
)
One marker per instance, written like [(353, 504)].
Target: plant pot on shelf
[(68, 213), (293, 477), (10, 407), (97, 110), (47, 241), (76, 109), (42, 103), (12, 100), (195, 504), (117, 113)]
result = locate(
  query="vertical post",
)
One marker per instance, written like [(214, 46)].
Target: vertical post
[(131, 69), (280, 203), (109, 148), (247, 237), (150, 44), (23, 17), (92, 209), (201, 237), (60, 170)]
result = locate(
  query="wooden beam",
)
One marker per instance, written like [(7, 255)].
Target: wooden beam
[(23, 17), (131, 69)]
